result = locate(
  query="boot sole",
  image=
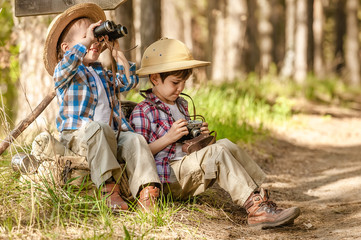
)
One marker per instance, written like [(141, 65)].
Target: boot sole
[(283, 222)]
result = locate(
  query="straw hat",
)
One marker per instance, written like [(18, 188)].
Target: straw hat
[(57, 26), (166, 55)]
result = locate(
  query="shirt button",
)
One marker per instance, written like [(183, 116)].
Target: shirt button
[(93, 85), (95, 100)]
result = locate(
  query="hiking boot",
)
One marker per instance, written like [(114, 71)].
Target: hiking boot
[(265, 214), (113, 199), (147, 198)]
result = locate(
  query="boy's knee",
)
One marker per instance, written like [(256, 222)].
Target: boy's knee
[(217, 148), (133, 139)]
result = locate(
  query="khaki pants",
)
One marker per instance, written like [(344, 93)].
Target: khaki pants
[(223, 162), (97, 142)]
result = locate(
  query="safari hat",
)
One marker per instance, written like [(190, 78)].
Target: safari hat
[(166, 55), (57, 26)]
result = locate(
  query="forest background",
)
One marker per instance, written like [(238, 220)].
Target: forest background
[(288, 70), (297, 42)]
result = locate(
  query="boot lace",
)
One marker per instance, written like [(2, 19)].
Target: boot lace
[(269, 204)]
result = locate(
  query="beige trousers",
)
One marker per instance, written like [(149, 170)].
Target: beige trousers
[(223, 162), (97, 142)]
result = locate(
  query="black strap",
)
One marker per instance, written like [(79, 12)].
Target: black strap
[(142, 93)]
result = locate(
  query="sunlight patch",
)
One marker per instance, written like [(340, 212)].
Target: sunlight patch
[(340, 190)]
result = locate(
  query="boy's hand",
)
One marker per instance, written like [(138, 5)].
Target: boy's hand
[(204, 128), (90, 38), (178, 130)]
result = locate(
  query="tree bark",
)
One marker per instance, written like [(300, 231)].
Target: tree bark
[(301, 42), (265, 30), (250, 58), (177, 21), (288, 63), (227, 30), (150, 30), (340, 32), (352, 44), (318, 22), (124, 15), (310, 46), (217, 43), (236, 25), (34, 82)]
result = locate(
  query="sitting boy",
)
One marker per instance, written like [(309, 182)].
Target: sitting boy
[(90, 113), (162, 118)]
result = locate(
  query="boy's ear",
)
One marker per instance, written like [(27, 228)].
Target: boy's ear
[(64, 46), (155, 78)]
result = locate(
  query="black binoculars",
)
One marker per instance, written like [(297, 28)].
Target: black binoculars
[(112, 30)]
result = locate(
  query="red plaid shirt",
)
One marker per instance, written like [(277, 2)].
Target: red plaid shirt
[(153, 123)]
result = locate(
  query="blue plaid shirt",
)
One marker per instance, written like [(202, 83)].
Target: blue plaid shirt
[(77, 90)]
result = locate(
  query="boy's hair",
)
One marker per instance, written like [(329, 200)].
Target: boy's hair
[(65, 36), (183, 74)]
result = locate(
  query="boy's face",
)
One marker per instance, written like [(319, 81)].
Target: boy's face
[(169, 90), (77, 32)]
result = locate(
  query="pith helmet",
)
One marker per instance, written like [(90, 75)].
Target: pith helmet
[(166, 55)]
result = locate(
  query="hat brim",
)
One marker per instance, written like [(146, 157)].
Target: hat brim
[(169, 67), (57, 26)]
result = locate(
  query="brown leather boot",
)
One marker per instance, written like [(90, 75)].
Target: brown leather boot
[(265, 214), (113, 199), (148, 197)]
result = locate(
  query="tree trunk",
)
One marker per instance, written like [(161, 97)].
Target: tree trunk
[(310, 47), (150, 22), (177, 21), (352, 44), (236, 25), (278, 34), (217, 43), (318, 22), (34, 83), (250, 58), (288, 64), (124, 15), (227, 30), (199, 37), (265, 30), (301, 42), (340, 31)]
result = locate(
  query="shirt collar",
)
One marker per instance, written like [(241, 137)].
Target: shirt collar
[(152, 97)]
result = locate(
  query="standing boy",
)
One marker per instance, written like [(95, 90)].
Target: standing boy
[(90, 113), (162, 118)]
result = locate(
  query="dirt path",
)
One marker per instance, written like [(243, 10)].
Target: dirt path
[(314, 164)]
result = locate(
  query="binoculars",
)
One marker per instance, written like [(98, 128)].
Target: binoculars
[(112, 30)]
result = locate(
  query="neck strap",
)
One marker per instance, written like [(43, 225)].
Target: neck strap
[(143, 92)]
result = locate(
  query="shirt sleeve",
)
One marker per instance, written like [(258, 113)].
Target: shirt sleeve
[(140, 122), (68, 66), (123, 83)]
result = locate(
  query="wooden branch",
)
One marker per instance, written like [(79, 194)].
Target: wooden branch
[(26, 122)]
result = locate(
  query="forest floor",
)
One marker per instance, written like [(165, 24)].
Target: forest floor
[(314, 164)]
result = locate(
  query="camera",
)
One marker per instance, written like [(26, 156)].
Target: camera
[(194, 129), (112, 30)]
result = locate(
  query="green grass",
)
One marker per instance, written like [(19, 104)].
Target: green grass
[(48, 211)]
